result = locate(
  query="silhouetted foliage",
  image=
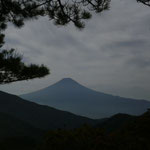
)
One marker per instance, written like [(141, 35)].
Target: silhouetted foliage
[(13, 69), (17, 11), (145, 2), (75, 139), (62, 12), (134, 135)]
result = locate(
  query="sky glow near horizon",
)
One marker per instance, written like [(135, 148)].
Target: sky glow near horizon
[(111, 55)]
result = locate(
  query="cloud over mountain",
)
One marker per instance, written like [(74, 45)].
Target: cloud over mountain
[(111, 54)]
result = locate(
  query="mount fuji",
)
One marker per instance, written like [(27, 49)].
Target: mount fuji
[(71, 96)]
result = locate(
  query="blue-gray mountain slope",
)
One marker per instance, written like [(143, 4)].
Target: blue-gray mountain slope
[(37, 116), (70, 96)]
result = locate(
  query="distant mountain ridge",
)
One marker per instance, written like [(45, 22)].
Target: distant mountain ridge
[(23, 123), (39, 116), (69, 95)]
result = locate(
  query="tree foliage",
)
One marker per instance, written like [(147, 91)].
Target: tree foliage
[(62, 12), (13, 69), (83, 138), (18, 11), (145, 2), (133, 135)]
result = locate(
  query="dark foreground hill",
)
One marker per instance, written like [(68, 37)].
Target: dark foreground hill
[(115, 122), (39, 116), (133, 135), (13, 127), (16, 134), (70, 96)]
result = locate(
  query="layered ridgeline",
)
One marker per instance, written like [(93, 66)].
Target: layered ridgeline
[(132, 133), (70, 96), (21, 112)]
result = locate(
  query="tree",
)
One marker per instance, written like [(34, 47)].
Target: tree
[(13, 69), (17, 12), (145, 2)]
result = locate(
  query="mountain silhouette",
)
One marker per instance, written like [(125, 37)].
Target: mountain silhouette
[(115, 122), (13, 127), (71, 96), (39, 116)]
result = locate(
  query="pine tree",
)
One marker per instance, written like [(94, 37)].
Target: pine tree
[(145, 2), (12, 68)]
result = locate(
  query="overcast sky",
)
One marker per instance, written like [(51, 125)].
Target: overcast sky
[(111, 55)]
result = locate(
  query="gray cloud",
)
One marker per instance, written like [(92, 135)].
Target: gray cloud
[(111, 54)]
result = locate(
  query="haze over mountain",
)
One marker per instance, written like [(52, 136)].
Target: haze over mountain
[(38, 116), (70, 96)]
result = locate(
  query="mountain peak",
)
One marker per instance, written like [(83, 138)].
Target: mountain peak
[(66, 83), (74, 97), (67, 80)]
